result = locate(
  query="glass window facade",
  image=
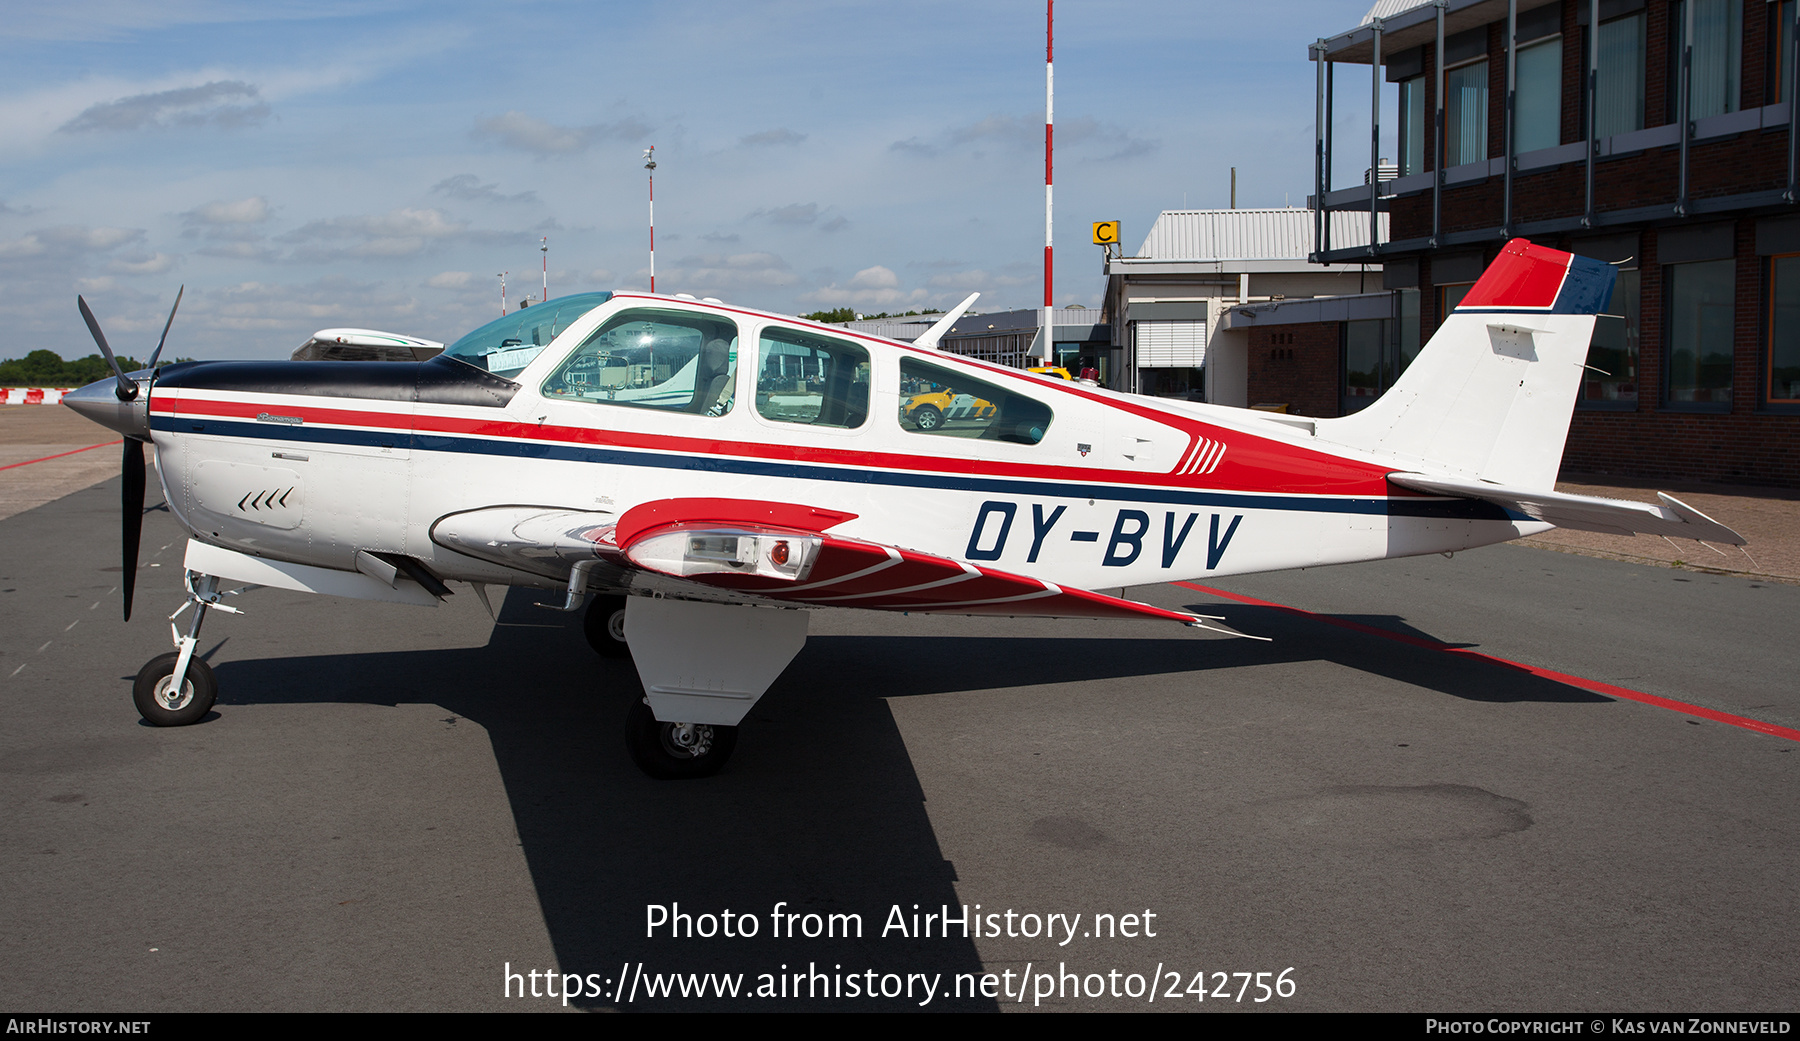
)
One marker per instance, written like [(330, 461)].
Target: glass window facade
[(1465, 114), (1537, 103), (1781, 51), (1781, 372), (1611, 378), (1619, 89), (1717, 61), (1413, 135), (1697, 348), (1378, 350)]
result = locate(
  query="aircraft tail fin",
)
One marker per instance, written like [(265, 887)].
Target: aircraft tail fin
[(1491, 396)]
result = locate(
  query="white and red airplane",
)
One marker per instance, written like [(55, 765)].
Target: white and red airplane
[(701, 476)]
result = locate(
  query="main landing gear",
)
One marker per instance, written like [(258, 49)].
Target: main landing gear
[(176, 689), (604, 625), (665, 751), (676, 751)]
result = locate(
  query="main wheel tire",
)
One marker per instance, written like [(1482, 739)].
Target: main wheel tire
[(927, 417), (158, 702), (604, 625), (676, 751)]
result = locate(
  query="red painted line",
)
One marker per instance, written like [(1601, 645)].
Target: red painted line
[(1259, 466), (1596, 686), (59, 455)]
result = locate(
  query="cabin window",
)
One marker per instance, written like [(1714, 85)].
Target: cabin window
[(935, 399), (675, 361), (817, 380)]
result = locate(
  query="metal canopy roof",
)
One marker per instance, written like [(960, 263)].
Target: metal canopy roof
[(1408, 23), (1243, 240)]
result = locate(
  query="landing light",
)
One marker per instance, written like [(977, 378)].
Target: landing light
[(724, 552)]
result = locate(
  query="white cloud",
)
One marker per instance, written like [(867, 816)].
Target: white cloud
[(449, 280), (876, 277), (253, 210), (224, 103), (871, 289), (468, 187), (793, 214), (528, 133), (778, 136), (69, 239), (397, 233), (720, 274), (154, 264)]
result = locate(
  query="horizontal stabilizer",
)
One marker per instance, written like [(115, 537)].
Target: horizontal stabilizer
[(1674, 519)]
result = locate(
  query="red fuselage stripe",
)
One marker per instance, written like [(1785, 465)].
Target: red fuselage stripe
[(1260, 465)]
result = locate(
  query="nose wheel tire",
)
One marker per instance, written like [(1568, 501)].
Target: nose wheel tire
[(676, 751), (161, 704), (604, 625)]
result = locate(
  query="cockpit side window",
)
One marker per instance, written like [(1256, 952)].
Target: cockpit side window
[(938, 400), (676, 361), (806, 378)]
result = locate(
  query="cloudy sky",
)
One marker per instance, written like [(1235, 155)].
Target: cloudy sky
[(300, 165)]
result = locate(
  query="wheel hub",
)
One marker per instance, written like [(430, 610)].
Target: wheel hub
[(687, 740), (168, 698)]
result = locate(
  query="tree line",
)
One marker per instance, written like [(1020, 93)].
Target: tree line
[(47, 369)]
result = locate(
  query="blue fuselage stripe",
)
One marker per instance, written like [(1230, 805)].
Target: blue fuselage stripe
[(1457, 509)]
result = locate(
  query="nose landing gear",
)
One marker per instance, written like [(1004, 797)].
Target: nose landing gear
[(176, 689)]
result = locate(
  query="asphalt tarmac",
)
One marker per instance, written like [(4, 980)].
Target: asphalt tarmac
[(392, 808)]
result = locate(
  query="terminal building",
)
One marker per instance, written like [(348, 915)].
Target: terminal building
[(1177, 330), (1657, 136)]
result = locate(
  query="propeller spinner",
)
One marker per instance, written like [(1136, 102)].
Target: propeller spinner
[(119, 404)]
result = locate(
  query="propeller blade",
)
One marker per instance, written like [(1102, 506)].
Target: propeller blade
[(165, 335), (131, 509), (127, 390)]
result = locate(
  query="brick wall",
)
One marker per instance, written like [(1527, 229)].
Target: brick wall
[(1747, 444), (1297, 365)]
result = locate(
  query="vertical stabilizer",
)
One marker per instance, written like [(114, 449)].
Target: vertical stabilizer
[(1490, 397)]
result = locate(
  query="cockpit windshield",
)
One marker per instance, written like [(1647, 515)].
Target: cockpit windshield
[(506, 345)]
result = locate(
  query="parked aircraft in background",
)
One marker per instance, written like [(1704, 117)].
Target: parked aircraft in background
[(700, 477)]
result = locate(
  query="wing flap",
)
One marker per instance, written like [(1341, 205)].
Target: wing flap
[(1674, 518)]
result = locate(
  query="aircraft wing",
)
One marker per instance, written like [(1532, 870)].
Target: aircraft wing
[(765, 552), (1674, 518)]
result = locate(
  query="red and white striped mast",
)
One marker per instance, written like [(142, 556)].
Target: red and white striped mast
[(502, 277), (545, 250), (650, 165), (1049, 152)]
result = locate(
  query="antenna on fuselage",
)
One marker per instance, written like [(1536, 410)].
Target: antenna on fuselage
[(937, 331)]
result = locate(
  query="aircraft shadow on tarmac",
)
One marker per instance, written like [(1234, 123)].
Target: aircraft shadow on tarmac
[(831, 817)]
